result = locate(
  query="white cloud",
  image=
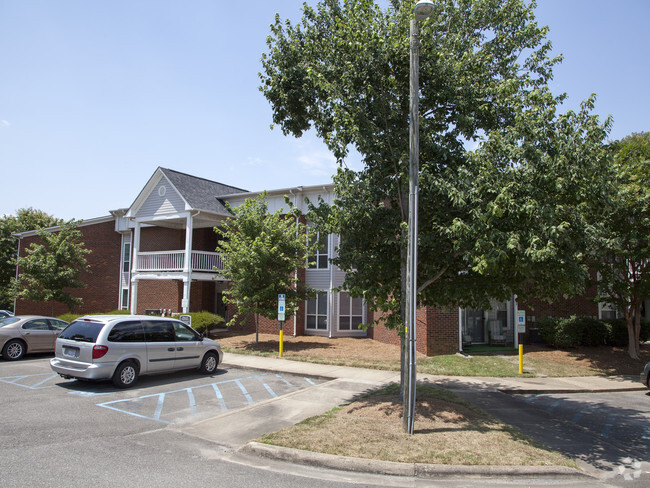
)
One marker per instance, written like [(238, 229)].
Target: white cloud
[(5, 123)]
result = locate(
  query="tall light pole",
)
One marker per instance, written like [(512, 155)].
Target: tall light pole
[(423, 10)]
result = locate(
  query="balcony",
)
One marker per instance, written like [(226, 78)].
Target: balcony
[(174, 261)]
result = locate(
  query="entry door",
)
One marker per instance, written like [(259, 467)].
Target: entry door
[(476, 325)]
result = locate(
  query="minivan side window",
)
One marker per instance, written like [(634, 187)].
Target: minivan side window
[(158, 331), (184, 333), (130, 331)]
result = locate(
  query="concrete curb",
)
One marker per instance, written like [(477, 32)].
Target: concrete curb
[(417, 470), (542, 391)]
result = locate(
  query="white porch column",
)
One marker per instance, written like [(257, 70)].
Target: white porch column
[(515, 307), (187, 266), (134, 269), (134, 296)]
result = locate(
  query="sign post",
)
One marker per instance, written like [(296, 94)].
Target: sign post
[(281, 309), (521, 329)]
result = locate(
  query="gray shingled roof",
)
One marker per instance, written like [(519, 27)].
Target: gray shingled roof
[(200, 193)]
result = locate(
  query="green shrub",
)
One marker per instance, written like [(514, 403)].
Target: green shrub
[(69, 317), (618, 335), (567, 334), (202, 321), (547, 327), (573, 331)]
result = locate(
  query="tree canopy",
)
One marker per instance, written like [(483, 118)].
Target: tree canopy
[(506, 182), (24, 220), (624, 264), (49, 270), (262, 252)]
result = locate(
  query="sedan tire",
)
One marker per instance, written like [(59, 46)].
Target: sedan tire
[(13, 350)]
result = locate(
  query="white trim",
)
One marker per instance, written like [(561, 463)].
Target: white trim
[(83, 223)]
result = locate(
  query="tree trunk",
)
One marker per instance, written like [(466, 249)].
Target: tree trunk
[(633, 322)]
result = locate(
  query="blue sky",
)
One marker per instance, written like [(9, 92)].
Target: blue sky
[(94, 95)]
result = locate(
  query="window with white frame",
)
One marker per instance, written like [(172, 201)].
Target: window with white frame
[(125, 299), (350, 312), (320, 259), (126, 257), (317, 312)]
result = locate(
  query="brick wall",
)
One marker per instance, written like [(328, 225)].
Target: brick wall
[(441, 331), (436, 334), (102, 292), (159, 294)]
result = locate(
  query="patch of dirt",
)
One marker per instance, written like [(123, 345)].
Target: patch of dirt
[(610, 360), (314, 346)]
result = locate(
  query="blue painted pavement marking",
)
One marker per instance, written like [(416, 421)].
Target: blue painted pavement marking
[(17, 380), (222, 402), (244, 391), (310, 382), (609, 423), (136, 402), (552, 406)]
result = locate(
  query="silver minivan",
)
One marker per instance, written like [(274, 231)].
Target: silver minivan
[(122, 347)]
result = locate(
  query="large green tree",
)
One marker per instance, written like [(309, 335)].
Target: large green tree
[(624, 264), (49, 270), (24, 220), (262, 252), (507, 217)]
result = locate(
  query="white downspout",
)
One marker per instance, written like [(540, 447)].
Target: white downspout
[(187, 268)]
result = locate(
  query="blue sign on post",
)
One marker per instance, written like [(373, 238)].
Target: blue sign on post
[(281, 306)]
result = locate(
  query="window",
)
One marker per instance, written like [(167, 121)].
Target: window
[(317, 312), (319, 260), (58, 324), (184, 333), (126, 258), (125, 299), (127, 332), (38, 324), (159, 331), (350, 313)]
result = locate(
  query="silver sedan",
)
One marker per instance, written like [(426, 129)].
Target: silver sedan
[(28, 333)]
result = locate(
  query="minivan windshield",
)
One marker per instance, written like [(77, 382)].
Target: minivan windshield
[(82, 331)]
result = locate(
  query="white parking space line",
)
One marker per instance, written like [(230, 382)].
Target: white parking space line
[(26, 380)]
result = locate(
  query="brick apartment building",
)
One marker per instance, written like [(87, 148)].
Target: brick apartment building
[(159, 254)]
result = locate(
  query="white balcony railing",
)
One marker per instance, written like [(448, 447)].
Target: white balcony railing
[(167, 261)]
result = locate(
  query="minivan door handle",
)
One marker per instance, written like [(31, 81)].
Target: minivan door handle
[(170, 349), (179, 348)]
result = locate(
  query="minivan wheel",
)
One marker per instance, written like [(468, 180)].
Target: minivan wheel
[(13, 350), (209, 363), (125, 375)]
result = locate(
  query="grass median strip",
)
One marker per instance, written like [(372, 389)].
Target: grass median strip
[(448, 430)]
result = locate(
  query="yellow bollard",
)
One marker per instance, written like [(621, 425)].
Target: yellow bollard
[(521, 359), (281, 334)]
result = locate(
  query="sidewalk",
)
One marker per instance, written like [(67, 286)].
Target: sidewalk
[(236, 429)]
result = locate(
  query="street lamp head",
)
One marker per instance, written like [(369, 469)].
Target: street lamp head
[(423, 9)]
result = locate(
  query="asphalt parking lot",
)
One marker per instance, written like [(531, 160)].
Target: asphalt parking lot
[(173, 399)]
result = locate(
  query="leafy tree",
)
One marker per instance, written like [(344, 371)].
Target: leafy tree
[(24, 220), (49, 270), (506, 217), (262, 252), (624, 267)]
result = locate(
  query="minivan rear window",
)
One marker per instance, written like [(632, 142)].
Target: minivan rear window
[(130, 331), (82, 331)]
